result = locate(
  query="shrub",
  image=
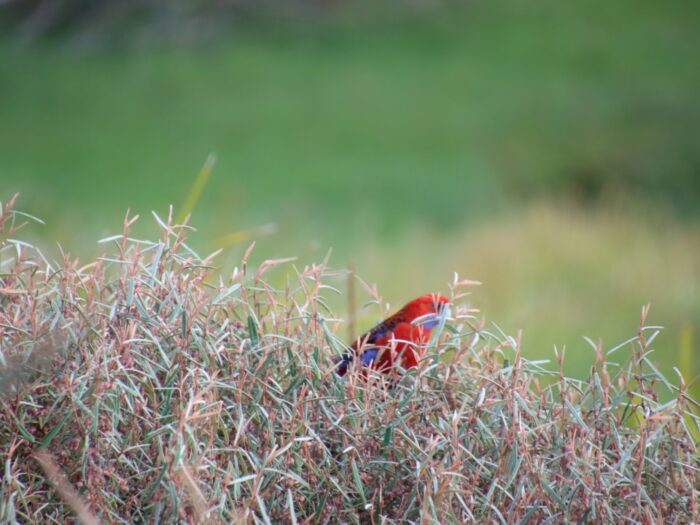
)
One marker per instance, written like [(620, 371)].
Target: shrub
[(145, 387)]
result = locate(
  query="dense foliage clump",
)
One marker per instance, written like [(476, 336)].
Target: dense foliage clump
[(145, 387)]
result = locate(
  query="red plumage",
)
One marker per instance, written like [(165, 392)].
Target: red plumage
[(400, 338)]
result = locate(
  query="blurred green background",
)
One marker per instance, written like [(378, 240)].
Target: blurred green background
[(548, 149)]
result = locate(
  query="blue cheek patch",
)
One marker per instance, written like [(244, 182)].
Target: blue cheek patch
[(368, 356), (432, 323)]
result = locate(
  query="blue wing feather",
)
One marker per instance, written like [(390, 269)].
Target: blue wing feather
[(368, 355)]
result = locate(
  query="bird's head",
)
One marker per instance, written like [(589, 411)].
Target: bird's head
[(427, 309)]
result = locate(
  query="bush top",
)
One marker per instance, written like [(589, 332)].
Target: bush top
[(144, 386)]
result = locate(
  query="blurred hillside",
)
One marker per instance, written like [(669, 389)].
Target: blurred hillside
[(364, 121), (397, 135)]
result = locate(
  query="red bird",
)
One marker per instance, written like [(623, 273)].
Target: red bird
[(397, 339)]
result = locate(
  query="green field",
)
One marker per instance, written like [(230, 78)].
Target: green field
[(550, 150)]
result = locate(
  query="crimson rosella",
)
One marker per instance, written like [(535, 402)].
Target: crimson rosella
[(399, 339)]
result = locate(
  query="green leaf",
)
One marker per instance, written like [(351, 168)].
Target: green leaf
[(387, 436), (358, 481), (151, 490), (252, 332), (55, 430)]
